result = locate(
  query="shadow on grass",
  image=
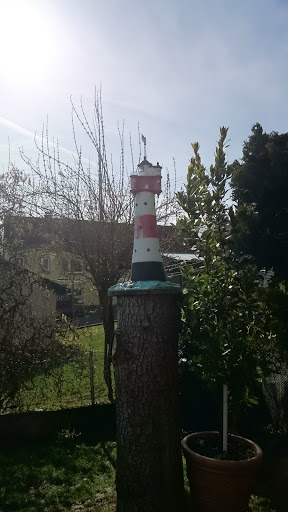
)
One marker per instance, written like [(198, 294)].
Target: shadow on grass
[(75, 473), (56, 477)]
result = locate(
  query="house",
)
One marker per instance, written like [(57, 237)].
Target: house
[(46, 247), (63, 251)]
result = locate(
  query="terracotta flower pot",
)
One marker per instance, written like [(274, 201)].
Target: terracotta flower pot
[(220, 485)]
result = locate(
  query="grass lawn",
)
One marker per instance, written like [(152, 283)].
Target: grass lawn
[(69, 385), (67, 475), (92, 337)]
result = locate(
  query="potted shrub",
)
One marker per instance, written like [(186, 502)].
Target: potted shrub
[(227, 338)]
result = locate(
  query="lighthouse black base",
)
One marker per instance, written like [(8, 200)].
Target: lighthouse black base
[(148, 271)]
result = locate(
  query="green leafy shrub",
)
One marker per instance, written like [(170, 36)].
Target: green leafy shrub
[(228, 335)]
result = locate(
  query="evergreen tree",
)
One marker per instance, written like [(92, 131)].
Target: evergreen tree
[(260, 190)]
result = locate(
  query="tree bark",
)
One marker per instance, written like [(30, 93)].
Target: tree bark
[(149, 475)]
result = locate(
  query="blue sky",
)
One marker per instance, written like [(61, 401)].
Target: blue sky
[(179, 68)]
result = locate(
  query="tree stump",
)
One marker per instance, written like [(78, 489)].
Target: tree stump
[(149, 476)]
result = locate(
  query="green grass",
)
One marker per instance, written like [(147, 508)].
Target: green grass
[(92, 337), (58, 477), (67, 475), (69, 385)]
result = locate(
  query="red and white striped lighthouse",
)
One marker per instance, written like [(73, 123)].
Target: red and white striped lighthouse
[(147, 263)]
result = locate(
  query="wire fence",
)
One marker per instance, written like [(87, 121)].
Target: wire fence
[(78, 383), (275, 390), (81, 382)]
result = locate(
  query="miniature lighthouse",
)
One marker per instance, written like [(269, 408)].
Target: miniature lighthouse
[(147, 263)]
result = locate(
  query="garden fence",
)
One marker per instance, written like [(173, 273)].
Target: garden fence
[(81, 383), (77, 383)]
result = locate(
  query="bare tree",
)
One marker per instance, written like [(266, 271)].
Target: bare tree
[(12, 192), (30, 341), (30, 344), (97, 197)]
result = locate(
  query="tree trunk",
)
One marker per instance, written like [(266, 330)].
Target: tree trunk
[(149, 475)]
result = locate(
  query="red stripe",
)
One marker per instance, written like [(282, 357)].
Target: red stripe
[(145, 184), (145, 226)]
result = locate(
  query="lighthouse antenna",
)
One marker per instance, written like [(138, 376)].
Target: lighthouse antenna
[(144, 141)]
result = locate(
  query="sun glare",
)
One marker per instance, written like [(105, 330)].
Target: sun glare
[(27, 46)]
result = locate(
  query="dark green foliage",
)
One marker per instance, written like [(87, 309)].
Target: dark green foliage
[(260, 189)]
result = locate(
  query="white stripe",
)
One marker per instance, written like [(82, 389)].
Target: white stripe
[(145, 209), (141, 245)]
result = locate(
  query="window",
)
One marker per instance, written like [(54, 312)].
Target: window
[(77, 266), (78, 296), (45, 264)]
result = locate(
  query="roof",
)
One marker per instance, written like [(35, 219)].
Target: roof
[(67, 234), (59, 289), (144, 162), (181, 256)]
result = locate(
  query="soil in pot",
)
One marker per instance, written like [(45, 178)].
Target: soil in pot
[(209, 447)]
